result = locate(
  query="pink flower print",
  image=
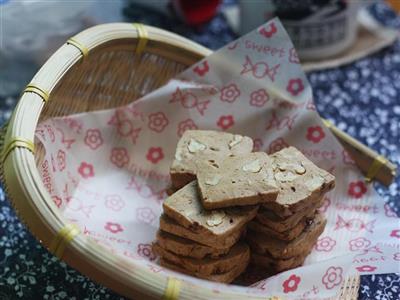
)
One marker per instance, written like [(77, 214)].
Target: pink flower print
[(359, 244), (187, 124), (291, 284), (268, 31), (113, 227), (395, 233), (325, 244), (144, 250), (277, 145), (157, 121), (225, 122), (257, 144), (119, 157), (389, 212), (93, 138), (366, 268), (61, 157), (357, 189), (145, 214), (57, 201), (229, 93), (114, 202), (315, 134), (333, 277), (258, 98), (154, 155), (295, 86), (202, 69), (396, 256), (86, 170)]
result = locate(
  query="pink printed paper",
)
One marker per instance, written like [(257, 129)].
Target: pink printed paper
[(107, 171)]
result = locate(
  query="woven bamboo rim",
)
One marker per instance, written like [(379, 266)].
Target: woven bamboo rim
[(52, 93)]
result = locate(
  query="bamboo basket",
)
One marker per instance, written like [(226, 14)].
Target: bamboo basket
[(103, 67)]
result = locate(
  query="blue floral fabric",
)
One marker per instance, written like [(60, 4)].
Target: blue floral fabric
[(362, 98)]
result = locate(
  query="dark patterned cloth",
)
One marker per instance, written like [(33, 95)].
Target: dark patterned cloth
[(362, 99)]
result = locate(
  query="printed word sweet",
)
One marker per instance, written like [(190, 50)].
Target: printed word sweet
[(318, 154), (138, 170), (273, 51), (46, 177), (358, 208), (369, 259), (105, 237), (387, 244)]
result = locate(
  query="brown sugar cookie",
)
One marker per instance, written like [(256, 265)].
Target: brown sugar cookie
[(186, 247), (237, 255), (185, 208), (253, 274), (277, 265), (226, 277), (245, 179), (199, 145), (300, 182), (220, 242), (261, 243), (281, 224), (288, 235)]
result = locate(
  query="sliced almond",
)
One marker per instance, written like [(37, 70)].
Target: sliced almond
[(283, 166), (313, 183), (178, 155), (195, 146), (215, 218), (269, 177), (285, 176), (253, 166), (213, 180), (236, 140), (299, 169)]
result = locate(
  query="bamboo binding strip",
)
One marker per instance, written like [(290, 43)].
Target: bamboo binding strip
[(83, 49), (17, 142), (155, 55), (62, 239), (32, 88)]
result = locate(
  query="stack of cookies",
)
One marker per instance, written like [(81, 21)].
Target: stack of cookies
[(285, 230), (221, 190), (202, 243)]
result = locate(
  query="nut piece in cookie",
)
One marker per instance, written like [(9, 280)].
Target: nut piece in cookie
[(245, 179), (199, 145), (299, 180)]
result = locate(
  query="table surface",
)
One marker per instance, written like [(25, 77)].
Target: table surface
[(362, 98)]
